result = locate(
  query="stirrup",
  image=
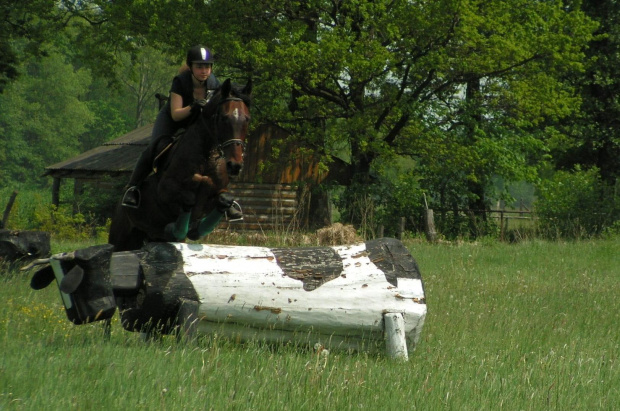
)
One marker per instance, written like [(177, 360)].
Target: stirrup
[(133, 202), (237, 214)]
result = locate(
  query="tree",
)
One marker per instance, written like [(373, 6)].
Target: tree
[(476, 80), (592, 138), (479, 81), (24, 27), (145, 74), (42, 117)]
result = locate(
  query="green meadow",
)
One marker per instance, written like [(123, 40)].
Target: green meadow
[(527, 326)]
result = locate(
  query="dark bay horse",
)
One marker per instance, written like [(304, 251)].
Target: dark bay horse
[(187, 193)]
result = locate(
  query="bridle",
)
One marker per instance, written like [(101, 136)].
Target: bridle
[(233, 141)]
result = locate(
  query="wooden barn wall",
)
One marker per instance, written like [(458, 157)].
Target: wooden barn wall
[(290, 167)]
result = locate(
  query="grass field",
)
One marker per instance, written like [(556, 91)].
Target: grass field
[(528, 326)]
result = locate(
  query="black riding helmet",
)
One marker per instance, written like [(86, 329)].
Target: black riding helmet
[(199, 54)]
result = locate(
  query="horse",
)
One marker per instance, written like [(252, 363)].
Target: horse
[(186, 196)]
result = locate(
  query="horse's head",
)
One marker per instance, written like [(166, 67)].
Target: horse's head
[(232, 119)]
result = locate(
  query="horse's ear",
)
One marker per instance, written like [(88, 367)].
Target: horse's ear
[(226, 87), (247, 90)]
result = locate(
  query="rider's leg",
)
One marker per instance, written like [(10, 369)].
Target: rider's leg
[(140, 172), (164, 125)]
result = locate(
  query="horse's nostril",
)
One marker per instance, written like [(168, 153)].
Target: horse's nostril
[(233, 168)]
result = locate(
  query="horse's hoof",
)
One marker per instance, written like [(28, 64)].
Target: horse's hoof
[(234, 212), (169, 231), (193, 234)]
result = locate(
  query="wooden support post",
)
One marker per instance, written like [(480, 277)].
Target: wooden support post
[(395, 341), (78, 189), (56, 192)]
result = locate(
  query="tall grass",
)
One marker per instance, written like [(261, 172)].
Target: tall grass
[(528, 326)]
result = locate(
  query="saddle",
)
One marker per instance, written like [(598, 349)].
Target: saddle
[(164, 148)]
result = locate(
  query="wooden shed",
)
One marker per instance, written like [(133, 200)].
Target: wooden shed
[(276, 197)]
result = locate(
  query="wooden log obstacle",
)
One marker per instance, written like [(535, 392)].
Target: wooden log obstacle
[(364, 296), (23, 246)]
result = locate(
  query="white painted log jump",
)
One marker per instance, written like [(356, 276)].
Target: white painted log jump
[(363, 296)]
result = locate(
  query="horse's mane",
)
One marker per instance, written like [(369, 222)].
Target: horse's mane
[(236, 90), (211, 107)]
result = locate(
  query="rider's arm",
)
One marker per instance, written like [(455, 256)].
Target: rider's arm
[(177, 111)]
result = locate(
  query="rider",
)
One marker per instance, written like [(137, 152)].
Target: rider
[(190, 90)]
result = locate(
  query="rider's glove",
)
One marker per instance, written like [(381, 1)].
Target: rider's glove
[(197, 105)]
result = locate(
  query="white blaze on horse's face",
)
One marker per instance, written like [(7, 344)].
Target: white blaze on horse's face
[(236, 114)]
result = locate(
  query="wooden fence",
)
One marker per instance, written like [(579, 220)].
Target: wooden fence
[(503, 217)]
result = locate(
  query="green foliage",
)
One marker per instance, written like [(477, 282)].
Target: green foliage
[(24, 28), (383, 202), (62, 224), (32, 211), (592, 136), (42, 116), (576, 204), (99, 199)]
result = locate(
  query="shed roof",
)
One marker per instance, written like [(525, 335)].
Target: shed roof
[(115, 157)]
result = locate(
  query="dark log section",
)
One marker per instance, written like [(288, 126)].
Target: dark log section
[(313, 265), (20, 246), (393, 258), (164, 286)]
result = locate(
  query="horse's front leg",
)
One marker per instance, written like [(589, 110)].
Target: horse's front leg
[(207, 224), (178, 229)]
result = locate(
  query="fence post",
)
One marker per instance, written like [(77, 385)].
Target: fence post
[(7, 210), (501, 225), (429, 226), (401, 228), (429, 223)]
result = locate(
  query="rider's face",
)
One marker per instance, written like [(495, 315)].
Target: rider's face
[(201, 70)]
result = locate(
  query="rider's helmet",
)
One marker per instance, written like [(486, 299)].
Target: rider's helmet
[(199, 54)]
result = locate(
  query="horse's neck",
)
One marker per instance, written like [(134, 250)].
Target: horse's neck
[(190, 149)]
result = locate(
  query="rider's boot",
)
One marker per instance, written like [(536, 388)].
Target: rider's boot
[(132, 197)]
